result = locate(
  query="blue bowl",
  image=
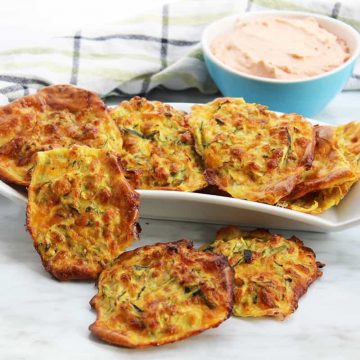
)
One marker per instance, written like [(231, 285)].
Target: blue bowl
[(308, 96)]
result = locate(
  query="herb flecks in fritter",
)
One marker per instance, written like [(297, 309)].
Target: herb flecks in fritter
[(250, 152), (81, 212), (271, 272), (158, 148), (56, 116), (162, 293)]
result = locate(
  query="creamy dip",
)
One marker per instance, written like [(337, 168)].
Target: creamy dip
[(280, 47)]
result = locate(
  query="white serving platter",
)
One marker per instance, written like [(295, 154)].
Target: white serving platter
[(204, 208)]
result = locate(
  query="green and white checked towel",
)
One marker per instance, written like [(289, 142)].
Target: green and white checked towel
[(160, 48)]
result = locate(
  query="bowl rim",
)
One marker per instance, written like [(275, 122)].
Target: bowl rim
[(205, 44)]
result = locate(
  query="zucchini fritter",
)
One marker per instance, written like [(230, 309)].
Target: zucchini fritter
[(56, 116), (158, 146), (81, 212), (330, 177), (330, 167), (250, 152), (348, 136), (271, 272), (162, 293)]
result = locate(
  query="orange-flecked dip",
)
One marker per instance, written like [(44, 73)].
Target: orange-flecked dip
[(289, 48)]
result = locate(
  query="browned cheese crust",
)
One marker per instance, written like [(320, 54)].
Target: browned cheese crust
[(271, 272), (162, 293), (250, 152), (81, 211), (158, 148), (56, 116)]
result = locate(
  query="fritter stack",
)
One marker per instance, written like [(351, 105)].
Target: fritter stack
[(255, 154), (56, 116)]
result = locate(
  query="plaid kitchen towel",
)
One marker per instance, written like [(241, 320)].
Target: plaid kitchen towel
[(160, 48)]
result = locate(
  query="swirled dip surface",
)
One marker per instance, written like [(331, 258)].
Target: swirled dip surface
[(280, 47)]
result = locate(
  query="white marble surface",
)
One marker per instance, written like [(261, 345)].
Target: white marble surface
[(41, 318)]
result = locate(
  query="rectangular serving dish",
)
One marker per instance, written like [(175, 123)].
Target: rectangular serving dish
[(204, 208)]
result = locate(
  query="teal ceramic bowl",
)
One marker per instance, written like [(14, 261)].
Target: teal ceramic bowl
[(308, 96)]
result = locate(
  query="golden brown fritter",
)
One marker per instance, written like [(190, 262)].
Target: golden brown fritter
[(330, 177), (56, 116), (348, 136), (81, 211), (250, 152), (271, 272), (330, 167), (162, 293), (158, 146)]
